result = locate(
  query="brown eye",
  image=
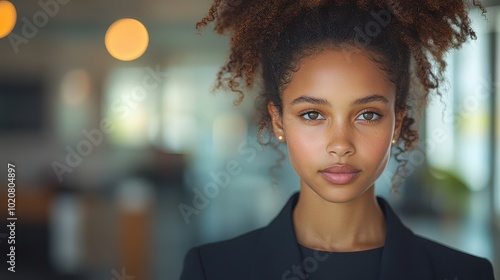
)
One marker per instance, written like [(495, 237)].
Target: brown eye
[(368, 116), (312, 116)]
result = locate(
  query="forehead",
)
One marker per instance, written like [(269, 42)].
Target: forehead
[(339, 73)]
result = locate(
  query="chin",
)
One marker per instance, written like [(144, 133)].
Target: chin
[(339, 193)]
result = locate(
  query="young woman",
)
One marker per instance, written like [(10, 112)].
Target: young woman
[(342, 85)]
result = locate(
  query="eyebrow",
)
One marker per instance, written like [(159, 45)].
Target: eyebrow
[(312, 100), (322, 101), (369, 99)]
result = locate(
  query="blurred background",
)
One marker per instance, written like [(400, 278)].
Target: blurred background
[(124, 158)]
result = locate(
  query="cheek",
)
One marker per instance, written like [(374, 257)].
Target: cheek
[(376, 149), (301, 145)]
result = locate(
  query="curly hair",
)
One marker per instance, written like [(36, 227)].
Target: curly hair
[(408, 39)]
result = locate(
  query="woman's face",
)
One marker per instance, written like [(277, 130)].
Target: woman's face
[(338, 121)]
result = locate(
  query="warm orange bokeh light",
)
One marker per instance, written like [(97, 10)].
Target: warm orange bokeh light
[(8, 17), (126, 39)]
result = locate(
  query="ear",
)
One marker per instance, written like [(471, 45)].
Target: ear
[(276, 119), (399, 123)]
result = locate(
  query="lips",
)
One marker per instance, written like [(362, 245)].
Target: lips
[(340, 174)]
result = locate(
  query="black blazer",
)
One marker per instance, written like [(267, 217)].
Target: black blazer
[(272, 252)]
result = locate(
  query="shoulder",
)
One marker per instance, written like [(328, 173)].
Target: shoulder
[(221, 258), (425, 257), (231, 248), (449, 261), (266, 249)]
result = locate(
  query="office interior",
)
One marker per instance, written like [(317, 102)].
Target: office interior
[(122, 166)]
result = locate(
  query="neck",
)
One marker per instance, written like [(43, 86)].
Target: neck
[(338, 227)]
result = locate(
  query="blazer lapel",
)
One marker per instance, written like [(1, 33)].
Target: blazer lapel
[(403, 256), (277, 252)]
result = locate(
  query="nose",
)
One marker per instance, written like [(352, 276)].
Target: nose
[(340, 141)]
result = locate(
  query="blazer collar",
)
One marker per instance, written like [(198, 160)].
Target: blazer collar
[(278, 253)]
